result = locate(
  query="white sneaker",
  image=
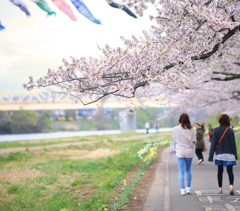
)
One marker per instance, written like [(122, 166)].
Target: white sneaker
[(188, 190), (183, 191), (200, 161)]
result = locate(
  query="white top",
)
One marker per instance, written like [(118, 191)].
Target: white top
[(147, 125), (185, 140)]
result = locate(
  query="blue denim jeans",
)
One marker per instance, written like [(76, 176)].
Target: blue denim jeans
[(184, 165)]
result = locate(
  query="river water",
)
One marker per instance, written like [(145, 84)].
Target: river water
[(66, 134)]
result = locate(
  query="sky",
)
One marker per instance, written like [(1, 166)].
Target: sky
[(32, 45)]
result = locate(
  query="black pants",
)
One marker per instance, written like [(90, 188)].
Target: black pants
[(230, 175), (199, 153)]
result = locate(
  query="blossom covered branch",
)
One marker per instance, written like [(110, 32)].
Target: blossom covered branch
[(191, 46)]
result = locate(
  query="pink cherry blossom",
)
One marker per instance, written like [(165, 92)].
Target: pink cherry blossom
[(188, 58)]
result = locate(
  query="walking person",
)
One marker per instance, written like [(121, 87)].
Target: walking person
[(210, 130), (157, 128), (184, 138), (224, 146), (147, 127), (203, 127), (200, 144)]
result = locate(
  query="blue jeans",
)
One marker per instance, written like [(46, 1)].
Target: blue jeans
[(184, 165)]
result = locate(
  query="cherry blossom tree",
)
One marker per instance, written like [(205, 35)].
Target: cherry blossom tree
[(189, 57), (219, 89)]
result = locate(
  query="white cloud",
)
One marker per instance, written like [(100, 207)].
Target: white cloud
[(6, 63)]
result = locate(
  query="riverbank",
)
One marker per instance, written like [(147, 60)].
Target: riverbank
[(67, 134)]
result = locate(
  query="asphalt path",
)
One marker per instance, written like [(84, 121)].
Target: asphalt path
[(165, 192)]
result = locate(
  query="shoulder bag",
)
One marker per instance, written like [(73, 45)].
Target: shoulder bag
[(204, 147), (219, 141)]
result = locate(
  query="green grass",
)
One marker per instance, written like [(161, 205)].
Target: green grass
[(60, 179), (236, 128), (44, 142), (47, 142)]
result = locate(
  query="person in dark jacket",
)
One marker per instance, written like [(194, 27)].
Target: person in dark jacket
[(203, 127), (224, 145), (200, 144), (210, 130)]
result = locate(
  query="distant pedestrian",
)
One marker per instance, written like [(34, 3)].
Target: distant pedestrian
[(172, 149), (157, 128), (231, 125), (147, 127), (200, 144), (185, 139), (224, 145), (203, 127), (210, 130)]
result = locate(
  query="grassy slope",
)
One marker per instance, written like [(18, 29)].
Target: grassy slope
[(84, 177)]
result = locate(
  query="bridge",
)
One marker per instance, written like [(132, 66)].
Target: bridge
[(43, 100)]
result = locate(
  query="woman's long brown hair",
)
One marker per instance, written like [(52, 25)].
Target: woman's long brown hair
[(185, 121)]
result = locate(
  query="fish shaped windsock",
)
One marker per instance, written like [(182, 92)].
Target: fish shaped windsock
[(1, 26), (65, 8), (42, 4), (122, 7), (21, 5), (83, 10)]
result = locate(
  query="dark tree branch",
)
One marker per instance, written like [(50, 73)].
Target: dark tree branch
[(236, 95), (229, 76), (216, 47)]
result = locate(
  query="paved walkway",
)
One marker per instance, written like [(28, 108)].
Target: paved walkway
[(165, 192)]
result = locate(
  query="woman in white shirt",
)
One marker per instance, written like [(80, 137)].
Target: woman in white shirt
[(185, 139)]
